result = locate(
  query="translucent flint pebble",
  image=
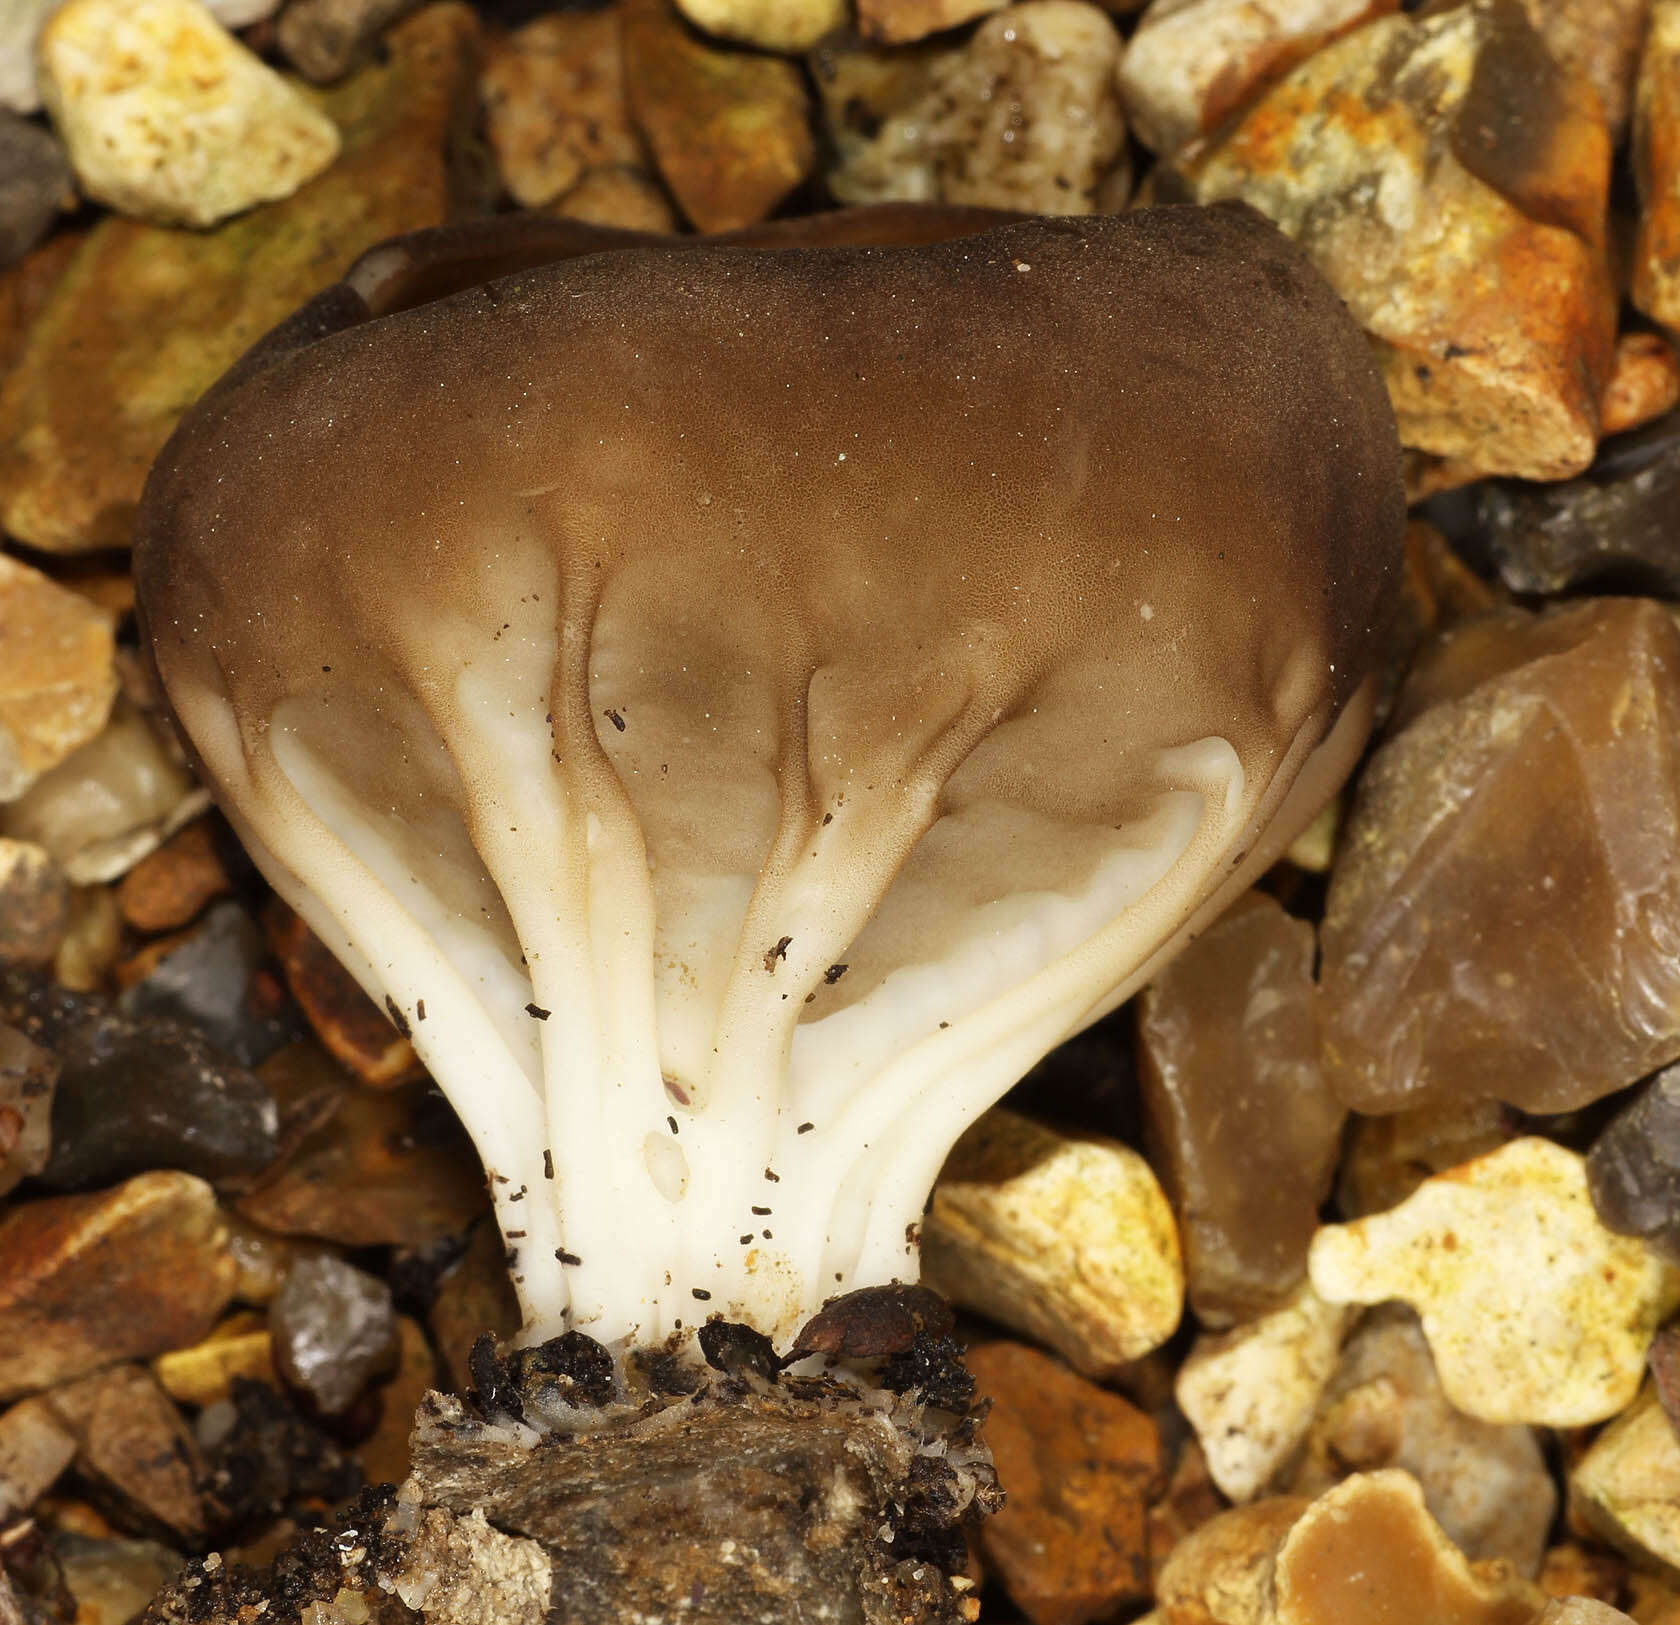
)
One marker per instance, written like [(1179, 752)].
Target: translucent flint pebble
[(1527, 803), (1237, 1109), (1534, 1311)]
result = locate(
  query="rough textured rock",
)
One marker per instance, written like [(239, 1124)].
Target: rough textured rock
[(1023, 115), (170, 888), (1190, 64), (555, 104), (356, 1032), (86, 1281), (34, 185), (167, 117), (1488, 1487), (1081, 1465), (729, 130), (1534, 1312), (134, 1444), (1633, 1168), (333, 1331), (1240, 1121), (57, 676), (1528, 804), (1451, 182), (120, 350), (1068, 1239), (34, 904), (1656, 157), (28, 1075), (325, 39), (716, 1476), (1251, 1393), (1626, 1487)]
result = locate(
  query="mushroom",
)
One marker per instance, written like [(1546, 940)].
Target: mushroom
[(738, 709)]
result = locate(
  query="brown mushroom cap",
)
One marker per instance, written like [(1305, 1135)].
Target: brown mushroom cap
[(871, 598)]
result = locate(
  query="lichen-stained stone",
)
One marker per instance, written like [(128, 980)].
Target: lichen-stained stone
[(1069, 1240), (1251, 1393), (1451, 182), (58, 675), (1600, 39), (167, 117), (1505, 906), (555, 103), (1534, 1312), (1070, 1544), (147, 317), (86, 1281), (1025, 114), (1243, 1128), (1656, 162), (1488, 1487), (729, 129), (1192, 63), (1627, 1486)]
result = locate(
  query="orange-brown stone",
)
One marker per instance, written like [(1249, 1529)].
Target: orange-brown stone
[(125, 1273), (1079, 1465), (166, 889), (357, 1033)]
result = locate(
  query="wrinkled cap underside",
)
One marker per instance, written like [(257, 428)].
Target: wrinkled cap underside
[(812, 682)]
